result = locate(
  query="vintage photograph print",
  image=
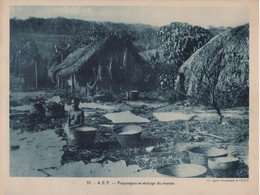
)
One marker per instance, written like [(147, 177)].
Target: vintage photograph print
[(129, 91)]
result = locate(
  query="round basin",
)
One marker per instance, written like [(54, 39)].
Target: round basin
[(200, 155), (223, 166), (129, 136), (183, 170), (133, 95), (84, 136)]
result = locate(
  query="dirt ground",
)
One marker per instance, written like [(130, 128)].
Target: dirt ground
[(40, 147)]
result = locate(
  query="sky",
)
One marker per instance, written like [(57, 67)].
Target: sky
[(158, 16)]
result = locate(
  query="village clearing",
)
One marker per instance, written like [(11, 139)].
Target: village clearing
[(39, 148)]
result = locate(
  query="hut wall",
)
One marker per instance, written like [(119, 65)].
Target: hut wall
[(115, 70), (114, 65)]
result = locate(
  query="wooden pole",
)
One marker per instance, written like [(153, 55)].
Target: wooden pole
[(211, 135), (36, 75), (72, 83), (67, 86), (58, 79)]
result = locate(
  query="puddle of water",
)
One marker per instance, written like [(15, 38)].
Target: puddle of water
[(172, 116), (126, 117), (96, 106)]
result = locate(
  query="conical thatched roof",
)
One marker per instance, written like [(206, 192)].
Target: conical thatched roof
[(227, 56)]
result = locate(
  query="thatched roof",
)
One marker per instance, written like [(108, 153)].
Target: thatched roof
[(113, 62), (81, 56), (78, 58), (228, 54)]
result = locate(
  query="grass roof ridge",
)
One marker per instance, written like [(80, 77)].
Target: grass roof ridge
[(220, 36)]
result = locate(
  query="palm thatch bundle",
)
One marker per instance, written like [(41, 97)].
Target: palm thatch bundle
[(219, 71)]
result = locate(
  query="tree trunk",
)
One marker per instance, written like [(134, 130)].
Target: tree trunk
[(217, 109)]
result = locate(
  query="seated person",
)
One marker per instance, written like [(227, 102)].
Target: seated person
[(76, 115)]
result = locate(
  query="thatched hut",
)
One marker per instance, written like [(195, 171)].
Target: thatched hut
[(111, 64), (219, 70)]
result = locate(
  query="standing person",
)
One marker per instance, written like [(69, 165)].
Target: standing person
[(91, 89), (76, 115)]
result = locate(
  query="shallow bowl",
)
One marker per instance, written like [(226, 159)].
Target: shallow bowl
[(183, 170)]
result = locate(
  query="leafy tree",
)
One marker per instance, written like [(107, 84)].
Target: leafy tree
[(208, 92), (61, 50), (25, 63), (88, 35), (180, 40), (127, 36)]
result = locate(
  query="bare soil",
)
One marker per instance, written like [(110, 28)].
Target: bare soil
[(162, 142)]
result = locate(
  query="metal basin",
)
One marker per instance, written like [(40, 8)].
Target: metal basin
[(183, 170), (128, 136), (84, 136), (200, 155), (223, 166), (133, 95)]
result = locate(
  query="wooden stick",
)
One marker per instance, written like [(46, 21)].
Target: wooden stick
[(203, 133)]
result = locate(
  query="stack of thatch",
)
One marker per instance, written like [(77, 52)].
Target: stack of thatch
[(226, 58)]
